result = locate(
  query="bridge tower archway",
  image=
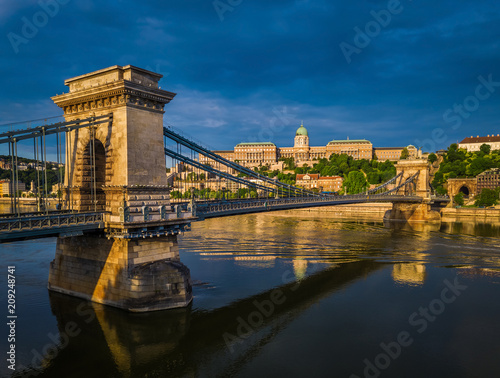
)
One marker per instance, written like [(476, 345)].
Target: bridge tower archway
[(93, 174)]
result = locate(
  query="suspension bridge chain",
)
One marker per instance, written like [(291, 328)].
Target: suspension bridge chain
[(169, 133), (228, 176), (409, 181), (39, 135), (384, 185), (54, 128)]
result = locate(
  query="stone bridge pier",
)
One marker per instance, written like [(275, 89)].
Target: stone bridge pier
[(419, 211), (119, 168)]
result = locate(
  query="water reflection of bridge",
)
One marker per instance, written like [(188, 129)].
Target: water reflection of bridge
[(178, 342)]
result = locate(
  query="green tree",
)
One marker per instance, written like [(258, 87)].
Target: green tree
[(405, 154), (478, 166), (485, 148), (459, 163), (459, 199), (454, 153), (288, 163), (441, 191), (488, 197), (175, 194), (355, 183), (373, 177), (432, 157)]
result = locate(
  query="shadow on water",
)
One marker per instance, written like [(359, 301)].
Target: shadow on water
[(100, 341)]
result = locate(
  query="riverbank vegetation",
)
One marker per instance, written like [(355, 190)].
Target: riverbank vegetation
[(30, 174), (487, 197), (458, 163)]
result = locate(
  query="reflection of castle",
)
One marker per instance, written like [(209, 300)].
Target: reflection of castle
[(267, 153)]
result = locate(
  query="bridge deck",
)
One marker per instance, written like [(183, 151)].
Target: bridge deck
[(222, 208), (32, 226)]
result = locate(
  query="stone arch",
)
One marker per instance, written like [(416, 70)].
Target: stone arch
[(468, 186), (465, 190)]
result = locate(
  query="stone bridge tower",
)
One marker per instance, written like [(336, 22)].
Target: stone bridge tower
[(128, 151), (420, 166), (136, 265), (420, 210)]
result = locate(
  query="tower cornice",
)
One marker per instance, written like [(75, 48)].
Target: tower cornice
[(114, 87), (118, 93)]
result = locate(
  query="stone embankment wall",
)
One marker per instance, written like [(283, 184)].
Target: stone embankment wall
[(493, 214), (371, 211)]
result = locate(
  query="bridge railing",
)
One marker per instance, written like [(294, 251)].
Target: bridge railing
[(50, 221), (226, 206)]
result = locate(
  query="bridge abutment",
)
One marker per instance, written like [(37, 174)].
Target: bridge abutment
[(412, 212), (135, 275)]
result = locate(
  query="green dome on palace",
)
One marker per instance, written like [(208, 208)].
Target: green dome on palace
[(301, 131)]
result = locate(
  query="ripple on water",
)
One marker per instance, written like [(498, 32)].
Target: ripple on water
[(273, 236)]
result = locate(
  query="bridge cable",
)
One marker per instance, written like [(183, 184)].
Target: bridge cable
[(12, 177), (45, 171), (17, 184), (92, 165), (219, 173), (190, 144)]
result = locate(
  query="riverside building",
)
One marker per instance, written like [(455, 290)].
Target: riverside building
[(472, 144)]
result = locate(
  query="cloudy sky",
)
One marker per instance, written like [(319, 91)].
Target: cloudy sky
[(396, 73)]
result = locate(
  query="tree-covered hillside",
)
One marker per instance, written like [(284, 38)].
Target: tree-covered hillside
[(30, 174), (458, 163), (374, 172)]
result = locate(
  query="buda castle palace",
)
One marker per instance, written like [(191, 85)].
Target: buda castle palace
[(266, 153)]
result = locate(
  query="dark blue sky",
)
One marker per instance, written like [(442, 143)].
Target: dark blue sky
[(425, 73)]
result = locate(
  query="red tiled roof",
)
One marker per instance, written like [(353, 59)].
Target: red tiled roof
[(478, 139), (330, 177), (314, 176)]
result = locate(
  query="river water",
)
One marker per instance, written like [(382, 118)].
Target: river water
[(281, 295)]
